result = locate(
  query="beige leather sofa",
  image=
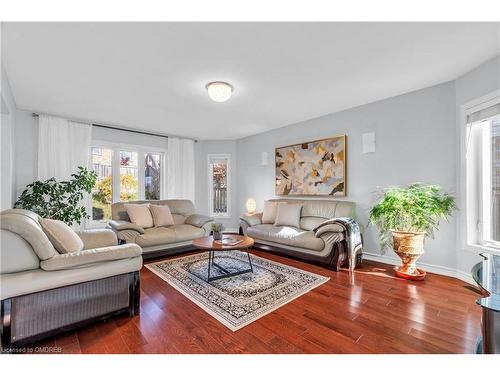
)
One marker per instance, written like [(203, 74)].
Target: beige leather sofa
[(318, 238), (44, 292), (162, 240)]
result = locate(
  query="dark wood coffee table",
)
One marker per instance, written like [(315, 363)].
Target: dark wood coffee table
[(208, 243)]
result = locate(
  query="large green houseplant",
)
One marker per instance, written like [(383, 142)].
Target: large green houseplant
[(59, 199), (405, 216)]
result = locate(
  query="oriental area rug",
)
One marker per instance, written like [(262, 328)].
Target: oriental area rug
[(238, 300)]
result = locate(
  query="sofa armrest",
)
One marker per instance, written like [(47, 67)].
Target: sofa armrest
[(96, 238), (252, 219), (88, 257), (328, 226), (127, 235), (329, 232), (119, 225), (198, 220)]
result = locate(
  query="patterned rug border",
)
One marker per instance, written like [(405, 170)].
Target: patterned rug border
[(213, 314)]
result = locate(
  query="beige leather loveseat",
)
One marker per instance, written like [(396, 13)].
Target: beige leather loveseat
[(43, 291), (162, 240), (313, 235)]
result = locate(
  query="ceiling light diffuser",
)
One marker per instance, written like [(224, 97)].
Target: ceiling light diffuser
[(219, 91)]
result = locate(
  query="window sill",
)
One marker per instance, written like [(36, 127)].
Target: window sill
[(478, 248)]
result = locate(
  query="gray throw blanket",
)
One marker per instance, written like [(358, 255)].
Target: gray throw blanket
[(353, 236)]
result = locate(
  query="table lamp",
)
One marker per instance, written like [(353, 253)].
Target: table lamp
[(251, 205)]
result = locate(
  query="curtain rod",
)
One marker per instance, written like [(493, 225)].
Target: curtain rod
[(129, 130)]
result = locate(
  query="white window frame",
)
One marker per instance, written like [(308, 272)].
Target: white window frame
[(227, 157), (473, 207), (141, 164)]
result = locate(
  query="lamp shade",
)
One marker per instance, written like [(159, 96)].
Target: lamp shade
[(251, 205)]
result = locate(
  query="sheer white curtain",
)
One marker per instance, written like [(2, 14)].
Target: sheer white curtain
[(63, 146), (180, 169)]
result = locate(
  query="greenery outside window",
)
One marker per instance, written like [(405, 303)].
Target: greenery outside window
[(124, 173)]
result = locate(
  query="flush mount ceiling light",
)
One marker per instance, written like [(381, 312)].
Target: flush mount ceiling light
[(219, 91)]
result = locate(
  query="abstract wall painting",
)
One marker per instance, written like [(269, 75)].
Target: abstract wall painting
[(312, 168)]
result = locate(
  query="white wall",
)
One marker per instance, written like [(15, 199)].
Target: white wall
[(202, 150), (414, 142), (7, 122)]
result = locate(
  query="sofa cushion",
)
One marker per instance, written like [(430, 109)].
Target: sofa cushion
[(25, 224), (91, 257), (185, 232), (287, 236), (269, 212), (311, 223), (327, 208), (178, 219), (162, 217), (175, 233), (182, 207), (139, 214), (64, 239), (155, 236), (288, 214), (95, 238), (17, 254)]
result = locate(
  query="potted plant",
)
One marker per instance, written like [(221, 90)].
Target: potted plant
[(59, 200), (217, 229), (405, 216)]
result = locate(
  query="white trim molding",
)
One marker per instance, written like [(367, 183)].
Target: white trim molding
[(464, 110), (439, 270), (141, 151), (227, 158)]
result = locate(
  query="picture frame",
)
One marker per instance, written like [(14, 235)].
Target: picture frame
[(311, 168)]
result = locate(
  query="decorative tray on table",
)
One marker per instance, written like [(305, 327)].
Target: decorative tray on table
[(228, 241)]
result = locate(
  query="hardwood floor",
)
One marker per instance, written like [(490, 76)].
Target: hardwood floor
[(367, 311)]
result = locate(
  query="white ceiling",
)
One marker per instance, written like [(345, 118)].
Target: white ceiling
[(152, 76)]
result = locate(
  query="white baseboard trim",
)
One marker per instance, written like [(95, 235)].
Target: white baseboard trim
[(440, 270), (465, 276)]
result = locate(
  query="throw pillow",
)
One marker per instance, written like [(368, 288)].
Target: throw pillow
[(162, 217), (269, 212), (288, 214), (62, 237), (139, 214)]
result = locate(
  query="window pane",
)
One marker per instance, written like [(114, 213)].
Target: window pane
[(219, 188), (495, 178), (102, 193), (152, 176), (128, 176)]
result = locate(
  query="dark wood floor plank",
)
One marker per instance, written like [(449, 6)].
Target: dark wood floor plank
[(91, 341), (365, 311)]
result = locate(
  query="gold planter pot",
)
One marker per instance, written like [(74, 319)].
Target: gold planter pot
[(409, 246)]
